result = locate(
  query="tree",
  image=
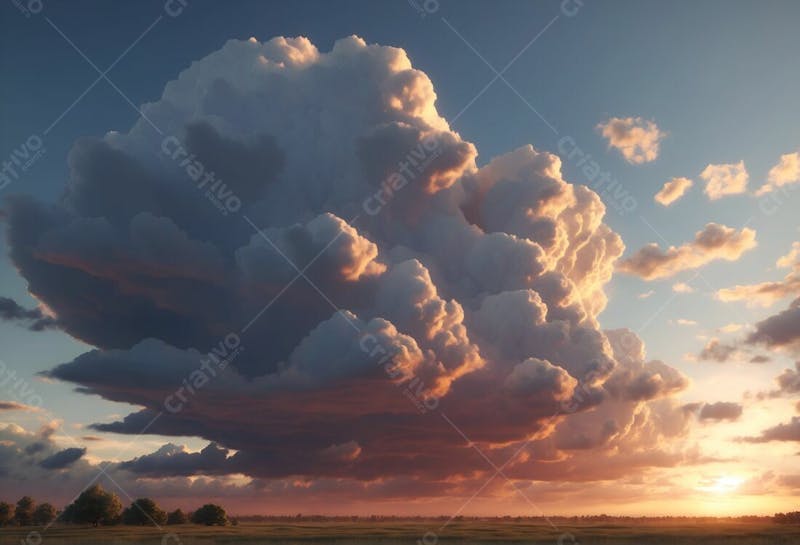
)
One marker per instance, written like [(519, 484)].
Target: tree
[(787, 518), (23, 514), (144, 512), (94, 506), (68, 514), (210, 515), (6, 513), (177, 517), (44, 514)]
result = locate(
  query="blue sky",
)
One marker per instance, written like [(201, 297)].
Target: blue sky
[(719, 77)]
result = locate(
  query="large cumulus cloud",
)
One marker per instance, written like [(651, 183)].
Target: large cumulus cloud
[(294, 243)]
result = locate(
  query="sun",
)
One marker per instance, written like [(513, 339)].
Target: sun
[(722, 485)]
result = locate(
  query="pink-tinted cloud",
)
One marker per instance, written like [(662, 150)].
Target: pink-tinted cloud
[(725, 179), (789, 431), (716, 350), (713, 242), (768, 293), (786, 172), (721, 410), (673, 190), (637, 139)]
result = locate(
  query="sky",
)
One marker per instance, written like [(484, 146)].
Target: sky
[(402, 257)]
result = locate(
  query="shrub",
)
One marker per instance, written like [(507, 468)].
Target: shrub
[(210, 515), (23, 514), (177, 517), (44, 514), (6, 513), (144, 512)]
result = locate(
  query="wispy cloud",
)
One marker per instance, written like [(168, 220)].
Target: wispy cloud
[(768, 293)]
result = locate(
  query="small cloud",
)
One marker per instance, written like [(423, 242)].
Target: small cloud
[(791, 259), (768, 293), (790, 481), (646, 294), (673, 190), (789, 380), (62, 459), (344, 452), (760, 359), (782, 432), (725, 179), (721, 410), (684, 322), (714, 350), (682, 287), (14, 406), (779, 331), (713, 242), (730, 328), (786, 172), (33, 319), (636, 138)]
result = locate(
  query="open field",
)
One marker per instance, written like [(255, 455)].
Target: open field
[(478, 532)]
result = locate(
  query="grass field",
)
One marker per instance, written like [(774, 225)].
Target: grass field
[(478, 532)]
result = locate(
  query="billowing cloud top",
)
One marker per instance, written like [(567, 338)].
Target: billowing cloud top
[(474, 291)]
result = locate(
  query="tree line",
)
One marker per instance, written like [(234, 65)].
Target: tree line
[(97, 507), (787, 518)]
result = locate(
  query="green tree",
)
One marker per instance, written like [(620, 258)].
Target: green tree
[(6, 513), (144, 512), (94, 506), (210, 515), (177, 517), (23, 514), (44, 514)]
